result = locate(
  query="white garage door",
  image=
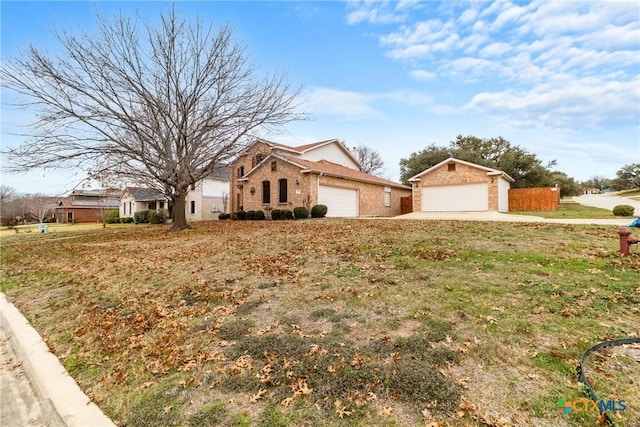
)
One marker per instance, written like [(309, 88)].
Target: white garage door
[(467, 197), (341, 202)]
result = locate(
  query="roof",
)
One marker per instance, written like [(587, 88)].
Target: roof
[(142, 194), (325, 167), (490, 171), (222, 173), (303, 149)]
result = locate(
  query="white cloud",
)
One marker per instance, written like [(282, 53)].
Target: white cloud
[(376, 12), (422, 75), (347, 104)]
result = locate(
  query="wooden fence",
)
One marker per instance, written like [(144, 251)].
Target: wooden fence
[(534, 199), (406, 205)]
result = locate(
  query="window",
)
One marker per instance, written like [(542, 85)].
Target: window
[(274, 166), (130, 208), (69, 217), (266, 192), (193, 207), (161, 204), (387, 196), (282, 190), (193, 186), (240, 171), (451, 167)]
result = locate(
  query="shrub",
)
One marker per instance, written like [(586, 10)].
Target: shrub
[(255, 215), (50, 220), (286, 214), (301, 212), (112, 216), (623, 210), (224, 216), (240, 215), (276, 214), (141, 217), (319, 211), (158, 217), (126, 220)]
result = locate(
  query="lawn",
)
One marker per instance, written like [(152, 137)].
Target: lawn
[(335, 322), (571, 209)]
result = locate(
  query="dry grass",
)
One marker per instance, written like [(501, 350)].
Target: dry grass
[(331, 322)]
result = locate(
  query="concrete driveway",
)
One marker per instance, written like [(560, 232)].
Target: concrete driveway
[(607, 201)]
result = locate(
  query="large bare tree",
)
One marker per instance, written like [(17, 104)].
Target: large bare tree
[(162, 106), (369, 159)]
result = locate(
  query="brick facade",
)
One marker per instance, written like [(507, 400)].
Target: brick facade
[(455, 172), (303, 177)]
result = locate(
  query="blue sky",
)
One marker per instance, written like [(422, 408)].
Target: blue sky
[(560, 79)]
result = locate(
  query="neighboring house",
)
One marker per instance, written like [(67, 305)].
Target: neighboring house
[(269, 175), (87, 205), (209, 198), (456, 185), (137, 199), (205, 200)]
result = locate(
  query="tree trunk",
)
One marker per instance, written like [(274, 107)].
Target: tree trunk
[(179, 215)]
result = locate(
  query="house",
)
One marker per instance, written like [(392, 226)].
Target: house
[(87, 205), (205, 199), (457, 185), (137, 199), (209, 197), (270, 175)]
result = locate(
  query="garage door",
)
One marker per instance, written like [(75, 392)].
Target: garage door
[(446, 198), (341, 202)]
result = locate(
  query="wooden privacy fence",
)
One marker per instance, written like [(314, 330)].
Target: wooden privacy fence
[(534, 199), (406, 205)]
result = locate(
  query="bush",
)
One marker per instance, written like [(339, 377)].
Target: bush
[(623, 210), (286, 214), (141, 217), (50, 220), (319, 211), (255, 215), (301, 212), (224, 216), (126, 220), (158, 217), (276, 214), (240, 215), (112, 216)]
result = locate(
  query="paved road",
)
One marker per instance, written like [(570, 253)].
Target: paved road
[(19, 406), (607, 201)]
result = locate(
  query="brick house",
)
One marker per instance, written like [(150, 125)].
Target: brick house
[(269, 175), (457, 185), (87, 205)]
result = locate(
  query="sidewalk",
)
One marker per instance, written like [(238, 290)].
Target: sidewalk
[(36, 389)]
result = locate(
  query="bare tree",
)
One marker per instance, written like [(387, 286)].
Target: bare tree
[(162, 106), (39, 206), (9, 206), (369, 159)]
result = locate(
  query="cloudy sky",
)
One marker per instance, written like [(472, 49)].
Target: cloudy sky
[(558, 78)]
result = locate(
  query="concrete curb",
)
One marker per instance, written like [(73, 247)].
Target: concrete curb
[(60, 395)]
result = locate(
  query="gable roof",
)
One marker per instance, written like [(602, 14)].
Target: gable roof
[(143, 194), (306, 148), (490, 171), (325, 167)]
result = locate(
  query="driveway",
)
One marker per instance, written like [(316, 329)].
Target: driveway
[(607, 201)]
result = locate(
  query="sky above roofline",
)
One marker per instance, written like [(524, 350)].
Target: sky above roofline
[(560, 79)]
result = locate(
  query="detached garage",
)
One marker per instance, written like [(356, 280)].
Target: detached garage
[(455, 185)]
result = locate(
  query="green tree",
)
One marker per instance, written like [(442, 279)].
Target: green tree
[(627, 178), (568, 186), (497, 153), (422, 160)]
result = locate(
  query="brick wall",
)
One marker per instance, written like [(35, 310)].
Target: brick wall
[(80, 215), (463, 174)]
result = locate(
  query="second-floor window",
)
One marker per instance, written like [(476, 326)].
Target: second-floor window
[(240, 171)]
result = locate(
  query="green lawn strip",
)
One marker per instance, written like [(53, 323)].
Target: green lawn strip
[(571, 209)]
